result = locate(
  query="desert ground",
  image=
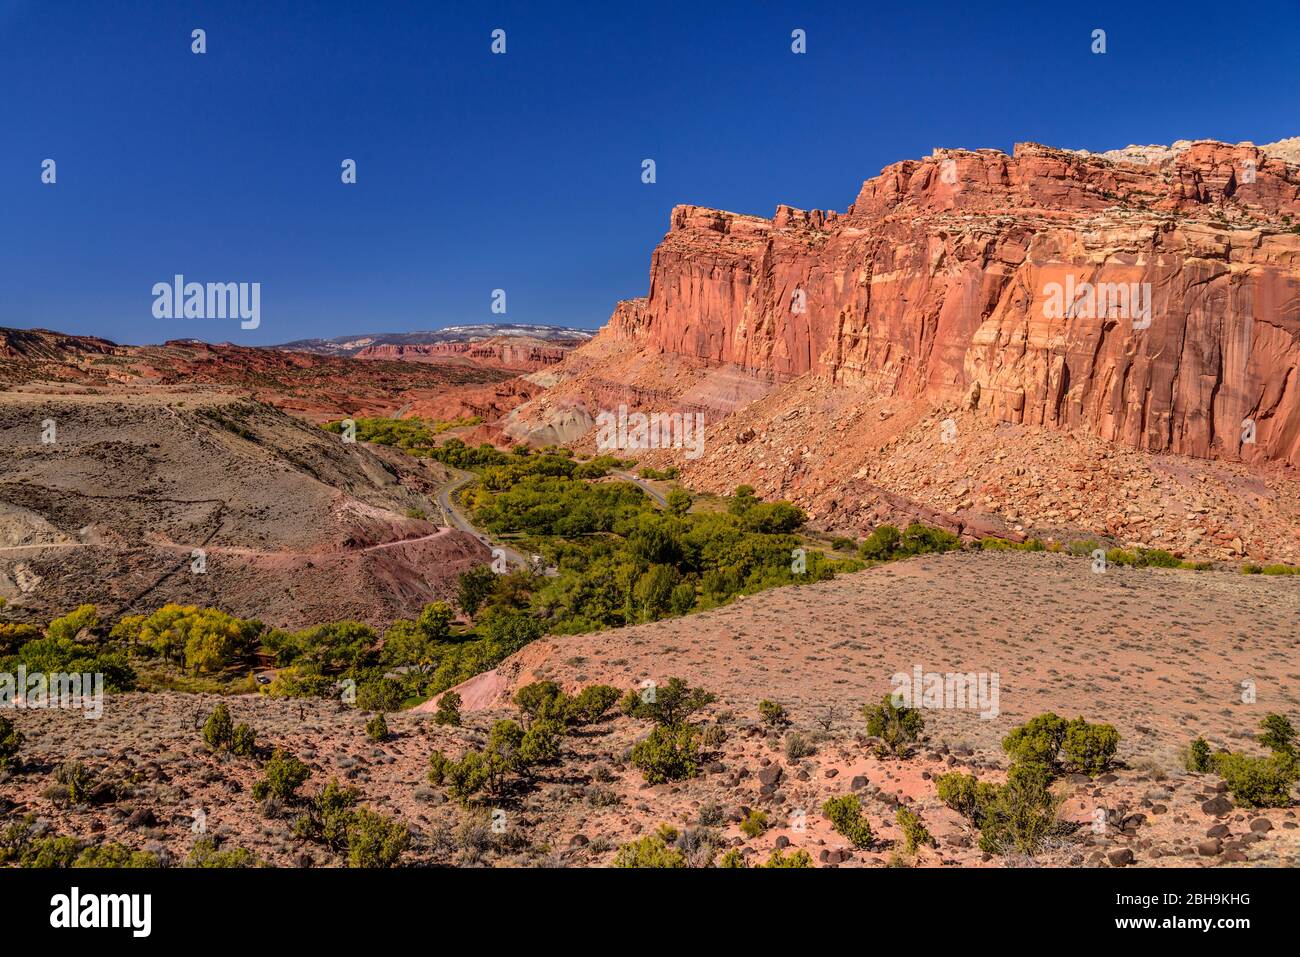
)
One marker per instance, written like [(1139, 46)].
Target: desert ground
[(1160, 654), (296, 526)]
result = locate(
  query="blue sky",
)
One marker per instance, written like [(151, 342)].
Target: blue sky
[(523, 171)]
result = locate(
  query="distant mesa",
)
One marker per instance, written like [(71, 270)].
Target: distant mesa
[(352, 345)]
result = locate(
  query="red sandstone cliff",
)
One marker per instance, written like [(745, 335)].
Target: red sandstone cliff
[(937, 283)]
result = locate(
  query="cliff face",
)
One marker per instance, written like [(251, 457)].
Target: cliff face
[(1155, 304)]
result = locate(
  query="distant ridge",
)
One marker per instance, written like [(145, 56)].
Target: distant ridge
[(351, 345)]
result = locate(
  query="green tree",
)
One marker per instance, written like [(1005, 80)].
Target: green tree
[(1037, 741), (1023, 814), (281, 777), (206, 854), (73, 625), (1258, 781), (377, 728), (668, 753), (243, 740), (897, 726), (796, 858), (592, 703), (375, 840), (1277, 734), (881, 544), (474, 588), (219, 731), (670, 703), (448, 712), (679, 502), (540, 699), (1089, 748), (1197, 757)]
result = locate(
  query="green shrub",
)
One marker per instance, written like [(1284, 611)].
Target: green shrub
[(713, 736), (327, 815), (1084, 548), (845, 815), (796, 858), (382, 694), (669, 753), (541, 699), (879, 546), (282, 776), (592, 703), (243, 741), (1023, 815), (77, 780), (1258, 781), (50, 852), (11, 739), (649, 851), (448, 712), (1277, 734), (541, 743), (219, 731), (467, 777), (205, 854), (377, 728), (670, 704), (375, 840), (1037, 741), (918, 539), (966, 794), (1089, 748), (733, 859), (438, 763), (898, 727), (475, 588), (914, 831), (772, 714), (369, 839), (1197, 758), (1055, 743), (754, 824), (113, 854)]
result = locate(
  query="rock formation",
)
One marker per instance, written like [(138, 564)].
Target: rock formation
[(947, 280), (515, 353)]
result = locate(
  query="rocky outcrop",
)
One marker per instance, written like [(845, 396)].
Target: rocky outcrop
[(515, 353), (1154, 303)]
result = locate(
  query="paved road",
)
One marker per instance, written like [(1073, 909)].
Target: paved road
[(456, 518), (645, 486)]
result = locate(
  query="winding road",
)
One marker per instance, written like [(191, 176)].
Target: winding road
[(455, 518), (645, 486)]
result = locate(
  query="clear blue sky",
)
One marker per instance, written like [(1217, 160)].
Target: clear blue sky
[(523, 171)]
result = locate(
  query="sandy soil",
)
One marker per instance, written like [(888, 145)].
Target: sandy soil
[(1159, 654)]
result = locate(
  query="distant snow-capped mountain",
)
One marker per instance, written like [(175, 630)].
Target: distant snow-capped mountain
[(351, 345)]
